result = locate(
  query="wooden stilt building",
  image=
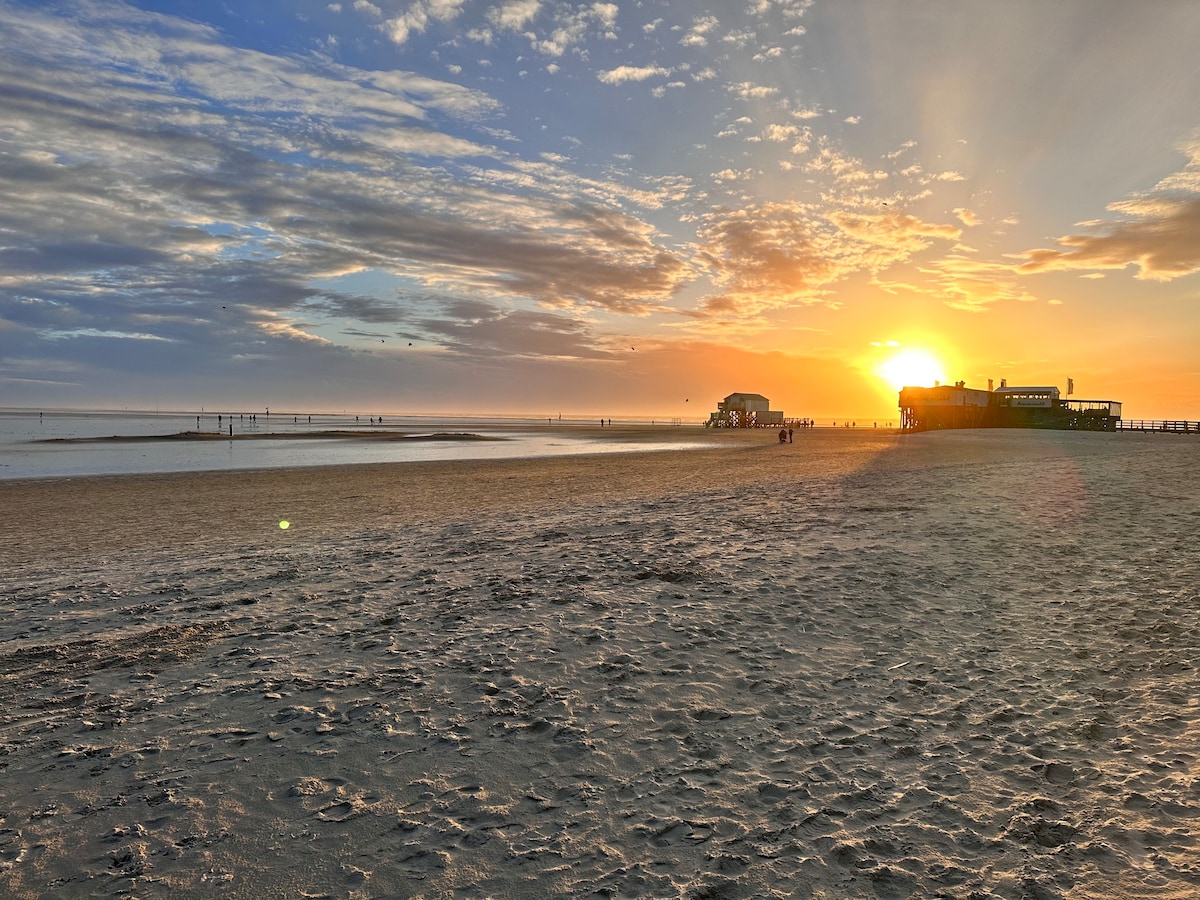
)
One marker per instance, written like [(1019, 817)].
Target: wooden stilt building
[(958, 406), (744, 411)]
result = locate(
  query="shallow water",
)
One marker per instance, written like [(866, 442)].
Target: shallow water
[(40, 445)]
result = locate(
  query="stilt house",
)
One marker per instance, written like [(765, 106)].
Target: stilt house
[(744, 411), (943, 406)]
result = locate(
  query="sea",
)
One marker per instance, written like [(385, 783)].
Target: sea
[(57, 444)]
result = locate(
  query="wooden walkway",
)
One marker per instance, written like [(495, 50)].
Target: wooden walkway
[(1168, 425)]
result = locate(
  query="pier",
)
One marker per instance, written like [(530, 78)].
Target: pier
[(1170, 426)]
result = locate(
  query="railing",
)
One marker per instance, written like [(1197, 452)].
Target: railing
[(1168, 425)]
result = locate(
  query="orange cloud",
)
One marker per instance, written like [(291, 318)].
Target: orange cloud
[(1158, 235), (902, 234), (1161, 241), (777, 254), (972, 285)]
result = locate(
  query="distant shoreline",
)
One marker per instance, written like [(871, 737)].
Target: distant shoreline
[(272, 435)]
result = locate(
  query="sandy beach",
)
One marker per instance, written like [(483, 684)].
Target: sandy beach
[(956, 665)]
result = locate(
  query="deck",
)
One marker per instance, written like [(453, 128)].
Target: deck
[(1171, 426)]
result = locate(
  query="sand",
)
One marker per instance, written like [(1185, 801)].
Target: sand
[(956, 665)]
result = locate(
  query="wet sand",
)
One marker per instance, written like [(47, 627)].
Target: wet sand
[(72, 517), (862, 665)]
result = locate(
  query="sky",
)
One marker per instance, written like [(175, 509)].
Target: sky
[(606, 208)]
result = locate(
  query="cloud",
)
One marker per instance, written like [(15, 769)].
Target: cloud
[(697, 34), (515, 14), (974, 285), (794, 8), (569, 25), (245, 198), (359, 308), (622, 74), (605, 13), (80, 255), (900, 151), (278, 326), (739, 39), (781, 133), (479, 329), (845, 169), (1157, 233), (418, 16), (966, 216), (159, 180), (766, 255), (779, 254), (748, 90), (901, 233), (728, 175), (1161, 240), (104, 333)]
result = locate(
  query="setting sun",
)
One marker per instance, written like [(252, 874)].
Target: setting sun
[(911, 368)]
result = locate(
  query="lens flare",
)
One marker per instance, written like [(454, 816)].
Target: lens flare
[(285, 524)]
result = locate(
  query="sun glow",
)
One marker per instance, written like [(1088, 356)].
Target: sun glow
[(911, 368)]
